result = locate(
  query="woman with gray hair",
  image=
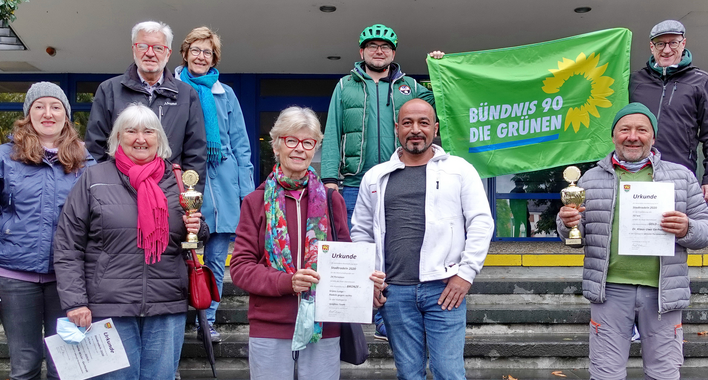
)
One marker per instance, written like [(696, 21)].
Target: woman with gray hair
[(275, 254), (117, 250)]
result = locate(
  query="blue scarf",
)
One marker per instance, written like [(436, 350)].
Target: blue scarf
[(203, 85)]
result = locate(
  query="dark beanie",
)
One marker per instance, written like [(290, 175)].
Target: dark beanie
[(633, 108)]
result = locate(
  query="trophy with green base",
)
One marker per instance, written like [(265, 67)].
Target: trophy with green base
[(191, 201), (573, 195)]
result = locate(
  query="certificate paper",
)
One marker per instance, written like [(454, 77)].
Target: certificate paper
[(345, 293), (641, 205), (100, 352)]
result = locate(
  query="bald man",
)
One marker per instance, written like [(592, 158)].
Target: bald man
[(428, 214)]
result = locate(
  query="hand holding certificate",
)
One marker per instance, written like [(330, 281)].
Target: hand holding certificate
[(100, 352), (641, 209), (345, 291)]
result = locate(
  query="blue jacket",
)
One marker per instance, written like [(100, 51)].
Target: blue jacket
[(30, 204), (228, 183)]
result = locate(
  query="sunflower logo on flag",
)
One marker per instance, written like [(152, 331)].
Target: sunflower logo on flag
[(588, 68)]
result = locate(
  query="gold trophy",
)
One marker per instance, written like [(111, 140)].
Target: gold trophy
[(191, 201), (573, 195)]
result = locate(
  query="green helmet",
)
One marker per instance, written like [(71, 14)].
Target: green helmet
[(378, 32)]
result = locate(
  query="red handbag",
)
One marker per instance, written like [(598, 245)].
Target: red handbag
[(202, 284)]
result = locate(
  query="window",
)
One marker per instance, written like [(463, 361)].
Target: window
[(85, 91), (524, 204), (527, 203), (7, 118), (80, 120)]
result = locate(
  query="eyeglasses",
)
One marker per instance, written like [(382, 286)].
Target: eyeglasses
[(292, 142), (195, 52), (661, 45), (372, 47), (158, 49)]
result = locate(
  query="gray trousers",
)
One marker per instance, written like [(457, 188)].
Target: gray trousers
[(611, 330), (27, 309), (270, 359)]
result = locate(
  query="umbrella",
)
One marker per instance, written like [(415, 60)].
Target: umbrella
[(206, 339), (206, 333)]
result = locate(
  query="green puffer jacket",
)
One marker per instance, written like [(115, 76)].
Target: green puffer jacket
[(360, 124)]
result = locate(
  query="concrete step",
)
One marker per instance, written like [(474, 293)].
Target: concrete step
[(376, 373), (234, 310), (376, 369), (234, 345), (524, 281), (476, 346)]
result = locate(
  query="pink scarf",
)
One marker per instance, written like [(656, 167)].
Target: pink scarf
[(153, 225)]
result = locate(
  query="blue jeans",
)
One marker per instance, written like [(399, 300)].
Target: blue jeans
[(350, 195), (414, 321), (153, 345), (26, 307), (215, 253)]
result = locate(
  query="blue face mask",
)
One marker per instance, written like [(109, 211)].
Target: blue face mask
[(69, 332), (304, 324)]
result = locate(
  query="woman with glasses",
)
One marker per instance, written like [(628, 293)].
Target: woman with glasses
[(229, 170), (275, 254)]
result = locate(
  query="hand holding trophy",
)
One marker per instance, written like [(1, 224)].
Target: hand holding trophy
[(191, 201), (573, 195)]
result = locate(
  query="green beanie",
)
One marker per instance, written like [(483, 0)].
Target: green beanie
[(633, 108)]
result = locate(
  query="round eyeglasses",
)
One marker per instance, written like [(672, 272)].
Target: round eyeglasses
[(194, 51), (661, 45), (292, 142)]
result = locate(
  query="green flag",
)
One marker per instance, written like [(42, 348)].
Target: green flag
[(533, 107)]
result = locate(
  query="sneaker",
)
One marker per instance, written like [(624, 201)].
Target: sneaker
[(215, 336), (635, 335), (380, 332)]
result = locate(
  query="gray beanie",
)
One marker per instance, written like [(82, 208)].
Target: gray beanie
[(42, 89)]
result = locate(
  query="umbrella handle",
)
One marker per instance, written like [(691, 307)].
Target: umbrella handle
[(296, 356)]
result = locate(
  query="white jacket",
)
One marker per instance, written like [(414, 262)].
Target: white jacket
[(458, 222)]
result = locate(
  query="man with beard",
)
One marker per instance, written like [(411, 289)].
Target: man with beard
[(623, 288), (677, 93), (359, 131), (147, 81), (427, 213)]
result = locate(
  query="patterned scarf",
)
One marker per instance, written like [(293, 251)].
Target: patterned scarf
[(153, 224), (631, 167), (277, 241), (203, 85)]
